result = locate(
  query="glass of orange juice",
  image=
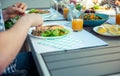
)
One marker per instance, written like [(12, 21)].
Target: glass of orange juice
[(65, 12), (118, 19), (77, 23), (117, 9)]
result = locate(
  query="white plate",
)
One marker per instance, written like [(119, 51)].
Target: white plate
[(104, 34), (49, 38), (53, 15)]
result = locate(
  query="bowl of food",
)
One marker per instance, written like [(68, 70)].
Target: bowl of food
[(94, 19)]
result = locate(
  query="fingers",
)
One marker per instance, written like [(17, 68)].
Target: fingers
[(20, 8), (24, 9), (16, 9), (21, 5)]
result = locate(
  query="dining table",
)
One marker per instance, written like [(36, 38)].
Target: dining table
[(102, 59)]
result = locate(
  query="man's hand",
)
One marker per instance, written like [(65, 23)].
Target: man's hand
[(32, 19), (14, 10)]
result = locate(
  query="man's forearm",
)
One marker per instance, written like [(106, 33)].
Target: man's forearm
[(11, 42)]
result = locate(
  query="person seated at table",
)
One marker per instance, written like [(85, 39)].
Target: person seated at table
[(12, 40)]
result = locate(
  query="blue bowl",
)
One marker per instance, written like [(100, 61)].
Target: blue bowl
[(96, 22)]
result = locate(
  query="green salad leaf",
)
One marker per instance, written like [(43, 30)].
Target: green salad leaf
[(33, 11), (78, 6), (95, 7), (11, 22), (55, 32)]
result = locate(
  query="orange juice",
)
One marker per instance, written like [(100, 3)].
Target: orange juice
[(65, 12), (77, 24), (118, 19)]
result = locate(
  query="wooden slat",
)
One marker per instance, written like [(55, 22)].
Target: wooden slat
[(80, 54), (90, 70), (83, 61)]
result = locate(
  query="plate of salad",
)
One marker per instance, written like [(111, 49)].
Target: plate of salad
[(38, 11), (49, 31)]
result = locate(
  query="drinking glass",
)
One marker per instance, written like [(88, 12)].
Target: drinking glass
[(65, 12), (57, 2), (77, 23), (52, 5), (117, 10)]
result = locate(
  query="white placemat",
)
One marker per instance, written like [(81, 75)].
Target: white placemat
[(75, 40), (54, 15), (64, 43)]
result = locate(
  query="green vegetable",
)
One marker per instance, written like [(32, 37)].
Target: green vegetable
[(55, 32), (33, 11), (11, 22), (96, 7), (8, 24), (78, 7), (46, 33)]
